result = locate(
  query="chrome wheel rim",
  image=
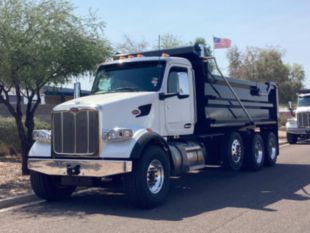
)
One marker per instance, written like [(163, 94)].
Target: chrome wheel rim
[(258, 151), (236, 151), (155, 176), (272, 149)]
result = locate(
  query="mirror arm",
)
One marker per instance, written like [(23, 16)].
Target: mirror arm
[(163, 96), (182, 96), (290, 108), (292, 112), (77, 90)]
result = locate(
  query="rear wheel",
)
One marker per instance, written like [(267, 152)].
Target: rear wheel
[(255, 152), (232, 151), (291, 138), (271, 149), (50, 187), (148, 184)]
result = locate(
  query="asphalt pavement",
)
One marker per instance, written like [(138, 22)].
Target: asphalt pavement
[(274, 199)]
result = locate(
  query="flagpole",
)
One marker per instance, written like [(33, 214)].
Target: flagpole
[(213, 50)]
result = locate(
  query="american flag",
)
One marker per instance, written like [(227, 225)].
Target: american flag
[(221, 43)]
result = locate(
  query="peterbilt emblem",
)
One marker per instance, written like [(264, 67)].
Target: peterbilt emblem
[(136, 112), (74, 110)]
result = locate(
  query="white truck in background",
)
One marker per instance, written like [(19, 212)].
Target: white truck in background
[(298, 127)]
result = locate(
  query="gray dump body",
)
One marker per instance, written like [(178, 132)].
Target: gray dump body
[(223, 109)]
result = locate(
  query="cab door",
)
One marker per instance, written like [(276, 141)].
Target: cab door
[(179, 101)]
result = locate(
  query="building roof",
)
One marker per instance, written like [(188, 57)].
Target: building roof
[(62, 91)]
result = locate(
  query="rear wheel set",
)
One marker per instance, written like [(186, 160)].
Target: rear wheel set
[(271, 148), (252, 151), (255, 152), (232, 151)]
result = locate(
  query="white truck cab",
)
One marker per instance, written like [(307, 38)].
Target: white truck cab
[(151, 115), (134, 104), (298, 126)]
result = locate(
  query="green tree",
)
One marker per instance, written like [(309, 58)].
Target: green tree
[(43, 42), (234, 57), (129, 45), (168, 41), (266, 64), (202, 41), (294, 83)]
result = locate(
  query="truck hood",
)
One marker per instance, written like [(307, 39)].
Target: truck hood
[(101, 100), (303, 109)]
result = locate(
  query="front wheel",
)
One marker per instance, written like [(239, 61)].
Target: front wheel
[(50, 187), (148, 184), (291, 138)]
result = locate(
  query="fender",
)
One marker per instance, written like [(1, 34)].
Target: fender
[(145, 140), (40, 149)]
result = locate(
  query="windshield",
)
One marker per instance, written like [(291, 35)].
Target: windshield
[(303, 101), (132, 76)]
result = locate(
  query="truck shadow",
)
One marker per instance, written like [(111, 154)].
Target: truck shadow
[(192, 194)]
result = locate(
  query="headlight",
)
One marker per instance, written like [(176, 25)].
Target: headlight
[(118, 135), (42, 135), (292, 121)]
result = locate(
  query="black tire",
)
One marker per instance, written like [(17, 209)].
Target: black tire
[(271, 149), (291, 138), (49, 187), (232, 151), (136, 183), (255, 152)]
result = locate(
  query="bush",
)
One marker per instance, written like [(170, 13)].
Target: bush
[(4, 149), (283, 118), (9, 140), (41, 124)]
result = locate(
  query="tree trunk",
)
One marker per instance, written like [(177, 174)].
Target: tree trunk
[(18, 116), (23, 143), (21, 131), (29, 123), (24, 130)]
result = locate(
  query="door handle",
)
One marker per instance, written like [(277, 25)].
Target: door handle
[(187, 125)]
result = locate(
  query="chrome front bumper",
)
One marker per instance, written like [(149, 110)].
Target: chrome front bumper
[(90, 168), (299, 131)]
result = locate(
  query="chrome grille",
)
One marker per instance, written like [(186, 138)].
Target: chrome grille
[(303, 119), (75, 133)]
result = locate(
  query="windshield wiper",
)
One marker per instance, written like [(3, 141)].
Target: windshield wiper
[(131, 89), (125, 89), (100, 92)]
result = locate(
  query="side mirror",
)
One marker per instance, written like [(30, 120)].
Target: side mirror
[(290, 107), (77, 90)]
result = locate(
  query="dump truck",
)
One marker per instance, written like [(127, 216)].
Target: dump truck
[(150, 116), (298, 127)]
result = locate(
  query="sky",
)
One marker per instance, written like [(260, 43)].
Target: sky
[(284, 24)]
